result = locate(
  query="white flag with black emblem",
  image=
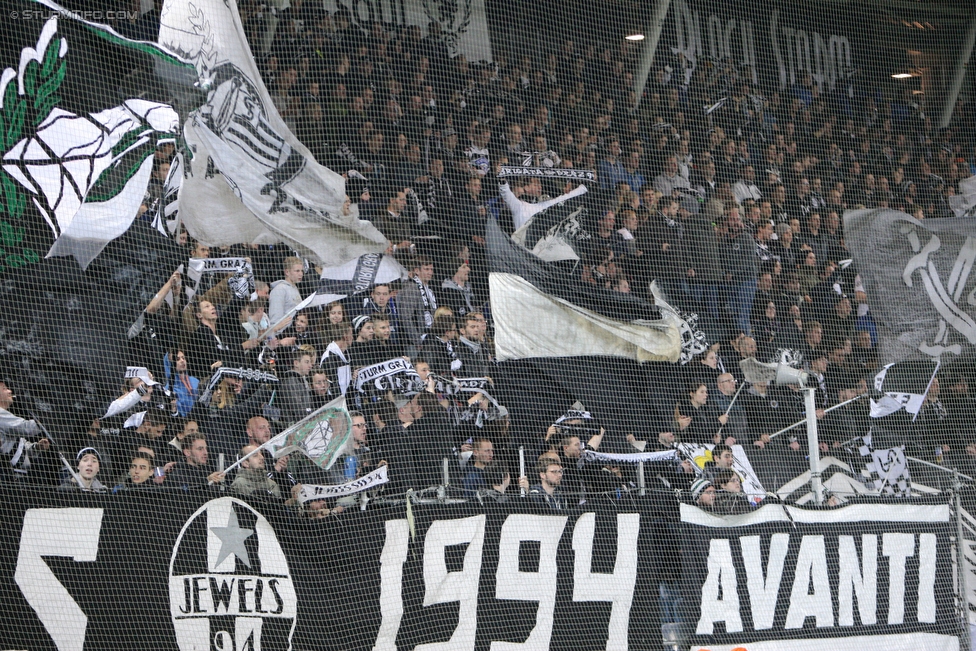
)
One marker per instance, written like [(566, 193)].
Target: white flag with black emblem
[(250, 179)]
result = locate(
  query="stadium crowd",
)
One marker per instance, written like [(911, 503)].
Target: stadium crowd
[(728, 195)]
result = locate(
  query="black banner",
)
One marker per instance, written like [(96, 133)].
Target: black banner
[(865, 576), (174, 570)]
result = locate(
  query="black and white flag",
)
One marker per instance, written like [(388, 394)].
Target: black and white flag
[(918, 275), (886, 471), (200, 273), (904, 385), (570, 318), (552, 230), (250, 179)]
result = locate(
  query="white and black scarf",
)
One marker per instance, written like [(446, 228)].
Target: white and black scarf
[(430, 302)]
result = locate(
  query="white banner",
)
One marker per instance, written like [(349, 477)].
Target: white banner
[(312, 492), (592, 456)]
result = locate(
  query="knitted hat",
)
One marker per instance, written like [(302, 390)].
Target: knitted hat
[(358, 323), (698, 487)]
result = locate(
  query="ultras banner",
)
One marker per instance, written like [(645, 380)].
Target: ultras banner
[(864, 576), (174, 570)]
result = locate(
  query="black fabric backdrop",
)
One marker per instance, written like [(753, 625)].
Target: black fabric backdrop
[(335, 567)]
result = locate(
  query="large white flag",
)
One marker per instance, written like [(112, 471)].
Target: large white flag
[(562, 329), (250, 179)]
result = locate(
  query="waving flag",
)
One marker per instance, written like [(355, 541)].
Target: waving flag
[(80, 157), (904, 385), (250, 179)]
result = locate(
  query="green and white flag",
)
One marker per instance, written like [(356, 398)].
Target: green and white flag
[(322, 436), (85, 171)]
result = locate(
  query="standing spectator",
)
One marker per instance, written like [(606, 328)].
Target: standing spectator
[(284, 293), (611, 171), (478, 157), (456, 292), (471, 348), (439, 346), (696, 418), (742, 268), (381, 347), (195, 471), (15, 431), (632, 175), (547, 491), (336, 360), (417, 303), (482, 454), (295, 394), (183, 385)]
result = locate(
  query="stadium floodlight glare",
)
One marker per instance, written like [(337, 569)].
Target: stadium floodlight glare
[(902, 75), (634, 37)]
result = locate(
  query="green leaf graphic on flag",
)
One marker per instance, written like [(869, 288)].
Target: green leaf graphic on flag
[(323, 436), (86, 166)]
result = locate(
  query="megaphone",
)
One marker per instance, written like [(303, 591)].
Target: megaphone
[(777, 373)]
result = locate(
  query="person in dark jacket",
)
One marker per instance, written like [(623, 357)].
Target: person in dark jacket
[(741, 269), (295, 393), (439, 346), (471, 348), (195, 471), (224, 418), (456, 292), (218, 339), (431, 440), (697, 420)]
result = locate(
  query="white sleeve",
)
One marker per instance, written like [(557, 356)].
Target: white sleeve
[(126, 402), (10, 424)]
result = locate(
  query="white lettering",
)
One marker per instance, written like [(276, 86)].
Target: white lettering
[(441, 586), (720, 592), (617, 587), (859, 580), (719, 42), (926, 577), (811, 563), (763, 592), (512, 583), (897, 547), (391, 583), (71, 533)]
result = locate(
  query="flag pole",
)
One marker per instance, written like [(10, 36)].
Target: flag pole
[(826, 411), (813, 444), (729, 408)]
